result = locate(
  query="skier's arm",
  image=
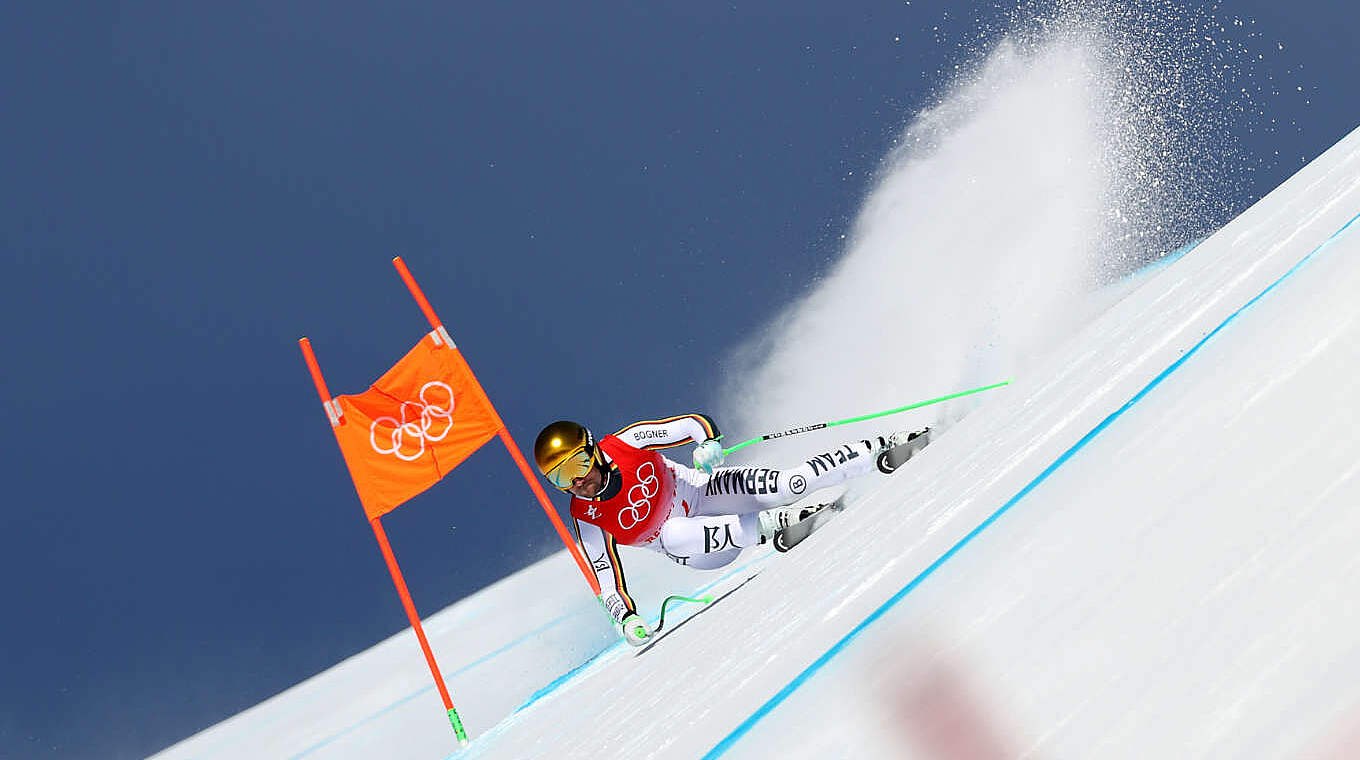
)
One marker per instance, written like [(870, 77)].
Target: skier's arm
[(602, 552), (669, 432)]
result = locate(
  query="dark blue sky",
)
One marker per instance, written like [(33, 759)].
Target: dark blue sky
[(187, 190)]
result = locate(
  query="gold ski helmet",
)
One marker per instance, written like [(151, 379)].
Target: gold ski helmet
[(565, 451)]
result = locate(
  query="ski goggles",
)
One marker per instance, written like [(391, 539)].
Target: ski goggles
[(575, 465)]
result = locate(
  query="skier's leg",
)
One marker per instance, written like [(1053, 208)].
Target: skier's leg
[(743, 490)]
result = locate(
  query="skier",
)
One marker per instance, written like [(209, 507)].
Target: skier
[(624, 492)]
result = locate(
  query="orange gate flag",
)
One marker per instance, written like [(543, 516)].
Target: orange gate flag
[(414, 425)]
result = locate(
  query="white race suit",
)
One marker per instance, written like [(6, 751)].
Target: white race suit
[(710, 518)]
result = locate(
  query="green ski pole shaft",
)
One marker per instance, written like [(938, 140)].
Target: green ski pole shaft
[(861, 418), (677, 598)]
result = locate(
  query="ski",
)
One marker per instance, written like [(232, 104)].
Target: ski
[(790, 536), (895, 457)]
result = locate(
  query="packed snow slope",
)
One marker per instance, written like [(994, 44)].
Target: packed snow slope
[(1144, 547)]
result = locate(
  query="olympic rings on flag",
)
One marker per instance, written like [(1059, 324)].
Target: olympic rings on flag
[(418, 424)]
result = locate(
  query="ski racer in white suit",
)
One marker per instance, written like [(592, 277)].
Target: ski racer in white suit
[(624, 492)]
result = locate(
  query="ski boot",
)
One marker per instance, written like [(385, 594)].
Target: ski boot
[(901, 447), (785, 527)]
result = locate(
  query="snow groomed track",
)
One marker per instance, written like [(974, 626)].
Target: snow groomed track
[(765, 709)]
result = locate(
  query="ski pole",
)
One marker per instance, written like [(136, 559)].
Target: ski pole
[(861, 418)]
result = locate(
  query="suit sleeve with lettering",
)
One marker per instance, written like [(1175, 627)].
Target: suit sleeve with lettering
[(669, 432), (602, 552)]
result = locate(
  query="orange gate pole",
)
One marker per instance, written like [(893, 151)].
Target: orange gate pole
[(414, 617), (504, 432), (333, 414)]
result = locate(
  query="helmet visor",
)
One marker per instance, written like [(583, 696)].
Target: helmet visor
[(575, 465)]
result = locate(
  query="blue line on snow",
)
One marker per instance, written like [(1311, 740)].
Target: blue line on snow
[(480, 660), (488, 656), (556, 683), (839, 646), (564, 678)]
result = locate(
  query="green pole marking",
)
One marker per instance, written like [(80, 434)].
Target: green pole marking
[(677, 598), (861, 418), (458, 726)]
